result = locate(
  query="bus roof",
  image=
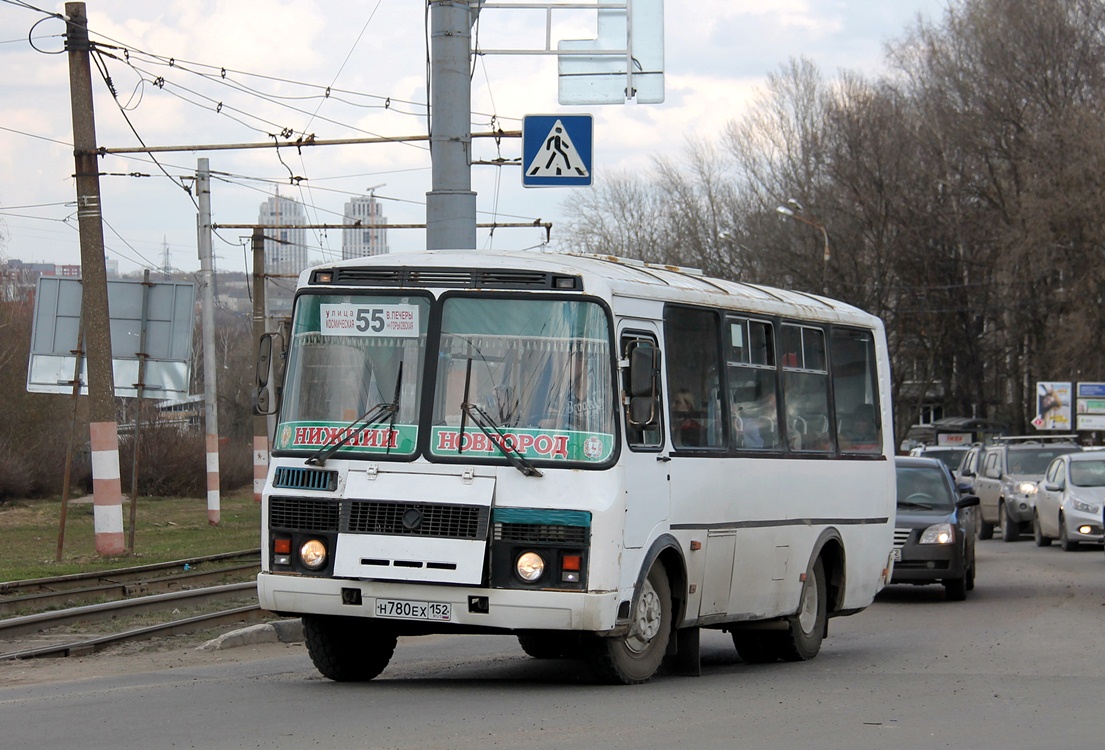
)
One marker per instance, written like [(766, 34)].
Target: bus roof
[(609, 276)]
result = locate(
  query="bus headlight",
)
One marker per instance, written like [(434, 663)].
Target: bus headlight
[(529, 566), (313, 554), (938, 533)]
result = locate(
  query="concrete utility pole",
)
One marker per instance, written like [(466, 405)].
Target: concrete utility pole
[(260, 421), (451, 202), (210, 365), (107, 491)]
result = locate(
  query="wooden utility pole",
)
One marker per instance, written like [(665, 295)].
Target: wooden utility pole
[(107, 493)]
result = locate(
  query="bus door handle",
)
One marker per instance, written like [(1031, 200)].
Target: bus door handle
[(663, 459)]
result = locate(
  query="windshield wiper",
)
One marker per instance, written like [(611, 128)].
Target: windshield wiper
[(354, 428), (491, 429), (487, 425), (394, 405)]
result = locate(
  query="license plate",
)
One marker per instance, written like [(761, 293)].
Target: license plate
[(896, 554), (405, 610)]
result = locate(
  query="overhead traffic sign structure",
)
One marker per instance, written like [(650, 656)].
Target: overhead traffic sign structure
[(556, 150)]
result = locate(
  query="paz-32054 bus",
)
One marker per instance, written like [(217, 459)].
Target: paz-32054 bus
[(595, 455)]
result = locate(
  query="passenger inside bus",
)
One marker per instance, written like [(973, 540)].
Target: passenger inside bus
[(685, 420), (755, 422), (859, 431)]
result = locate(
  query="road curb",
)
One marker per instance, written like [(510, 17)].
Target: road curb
[(280, 631)]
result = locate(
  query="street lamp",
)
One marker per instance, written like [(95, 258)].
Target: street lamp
[(794, 210)]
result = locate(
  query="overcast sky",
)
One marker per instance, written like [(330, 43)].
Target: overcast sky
[(238, 71)]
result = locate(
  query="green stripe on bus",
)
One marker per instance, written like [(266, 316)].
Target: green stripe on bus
[(542, 516)]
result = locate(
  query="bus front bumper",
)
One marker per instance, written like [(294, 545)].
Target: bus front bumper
[(468, 607)]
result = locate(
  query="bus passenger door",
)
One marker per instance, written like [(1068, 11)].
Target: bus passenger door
[(644, 462)]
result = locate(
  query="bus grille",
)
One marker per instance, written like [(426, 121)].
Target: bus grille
[(304, 513), (456, 278), (293, 478), (532, 533), (310, 514), (418, 519)]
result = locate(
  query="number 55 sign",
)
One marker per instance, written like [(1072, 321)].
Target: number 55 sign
[(369, 320)]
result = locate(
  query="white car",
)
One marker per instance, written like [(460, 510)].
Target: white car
[(1070, 501)]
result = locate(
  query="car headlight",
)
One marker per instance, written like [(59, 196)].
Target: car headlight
[(1027, 488), (312, 554), (1084, 507), (938, 533), (529, 566)]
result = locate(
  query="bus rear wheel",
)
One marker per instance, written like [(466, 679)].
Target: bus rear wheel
[(806, 629), (634, 657), (348, 649)]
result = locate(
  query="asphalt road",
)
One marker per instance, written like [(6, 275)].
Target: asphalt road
[(1015, 666)]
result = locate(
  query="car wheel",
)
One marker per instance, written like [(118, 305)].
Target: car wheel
[(971, 577), (955, 589), (1010, 529), (985, 530), (1038, 533), (1065, 541)]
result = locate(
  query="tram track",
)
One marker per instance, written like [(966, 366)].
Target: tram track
[(48, 613)]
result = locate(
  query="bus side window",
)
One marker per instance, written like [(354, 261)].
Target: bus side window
[(691, 363), (858, 426)]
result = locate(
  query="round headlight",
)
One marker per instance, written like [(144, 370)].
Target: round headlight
[(313, 554), (530, 566), (1027, 488)]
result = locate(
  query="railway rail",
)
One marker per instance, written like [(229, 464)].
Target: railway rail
[(47, 604)]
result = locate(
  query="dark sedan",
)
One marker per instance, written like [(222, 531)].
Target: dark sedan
[(934, 535)]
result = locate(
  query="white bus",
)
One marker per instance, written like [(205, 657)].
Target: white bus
[(595, 455)]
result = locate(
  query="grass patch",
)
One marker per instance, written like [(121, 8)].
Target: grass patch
[(165, 529)]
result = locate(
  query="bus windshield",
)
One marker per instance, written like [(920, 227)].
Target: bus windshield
[(351, 356), (539, 370)]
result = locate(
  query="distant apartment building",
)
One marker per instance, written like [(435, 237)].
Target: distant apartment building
[(363, 234), (18, 279), (285, 251)]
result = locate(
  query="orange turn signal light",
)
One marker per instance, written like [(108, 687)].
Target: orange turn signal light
[(282, 546), (571, 562)]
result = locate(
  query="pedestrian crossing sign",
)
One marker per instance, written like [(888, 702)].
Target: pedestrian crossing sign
[(556, 150)]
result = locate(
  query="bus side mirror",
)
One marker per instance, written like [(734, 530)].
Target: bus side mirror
[(643, 390), (264, 403)]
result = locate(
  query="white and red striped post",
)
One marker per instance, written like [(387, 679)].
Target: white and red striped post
[(107, 488)]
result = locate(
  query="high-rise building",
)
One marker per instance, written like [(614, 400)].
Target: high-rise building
[(286, 243), (285, 251), (363, 235)]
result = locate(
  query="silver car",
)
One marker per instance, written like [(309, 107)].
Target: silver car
[(1070, 501)]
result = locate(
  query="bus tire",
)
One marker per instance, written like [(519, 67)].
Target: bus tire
[(806, 629), (348, 649), (550, 645), (634, 657)]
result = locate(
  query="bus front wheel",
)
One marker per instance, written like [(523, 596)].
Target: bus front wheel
[(348, 649), (634, 657)]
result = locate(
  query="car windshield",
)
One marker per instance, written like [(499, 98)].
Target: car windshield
[(924, 488), (1087, 473), (950, 456), (1033, 460)]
